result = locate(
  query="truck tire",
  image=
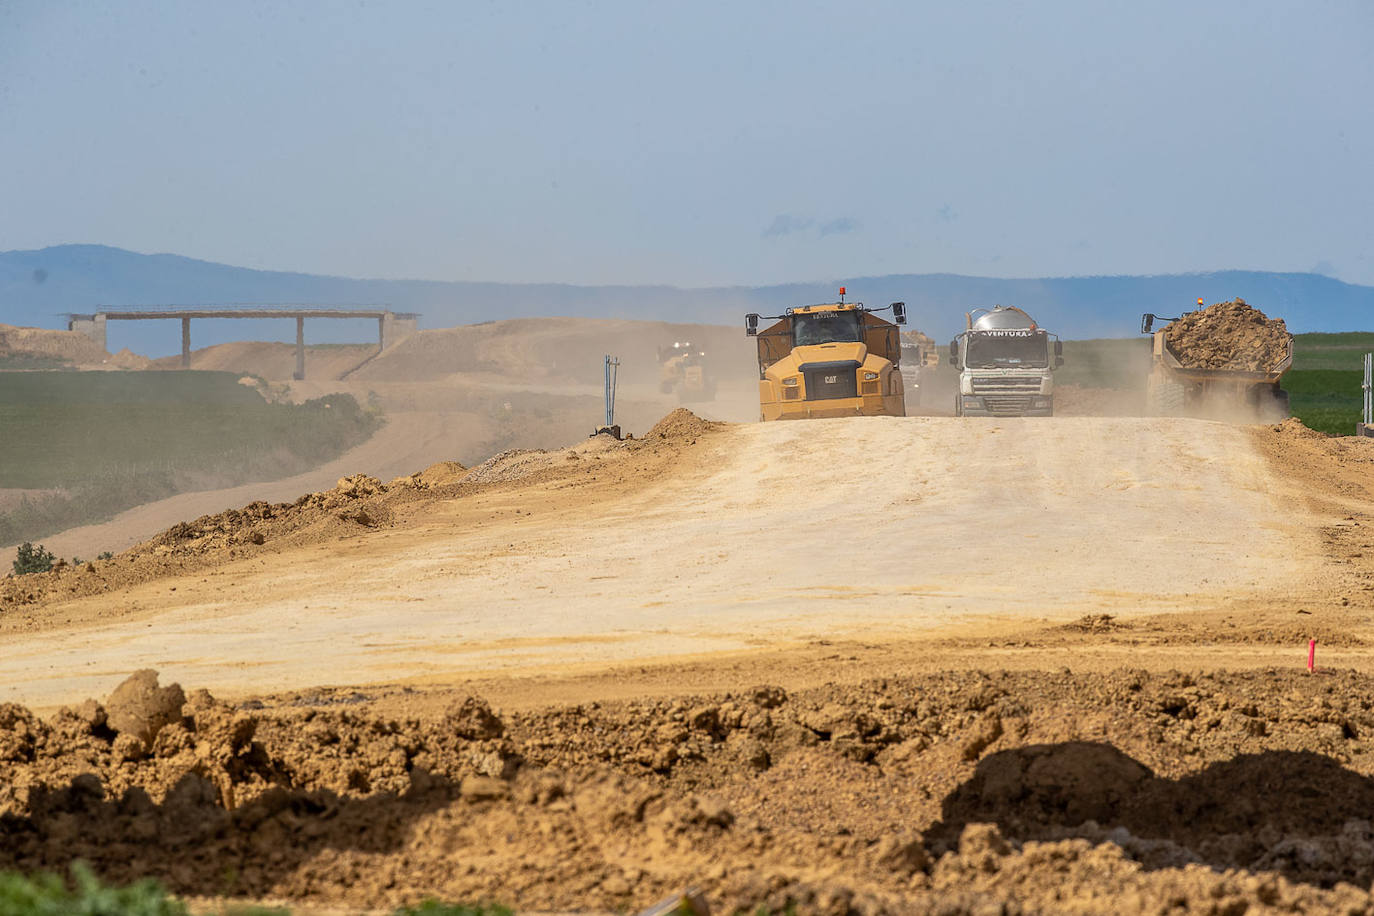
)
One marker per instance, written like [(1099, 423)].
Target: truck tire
[(1163, 397)]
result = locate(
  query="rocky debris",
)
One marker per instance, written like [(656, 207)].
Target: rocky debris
[(1228, 335), (439, 474), (358, 486), (1124, 791), (139, 709), (473, 719), (512, 464), (768, 696)]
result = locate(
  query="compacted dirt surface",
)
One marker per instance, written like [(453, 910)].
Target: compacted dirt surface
[(850, 666)]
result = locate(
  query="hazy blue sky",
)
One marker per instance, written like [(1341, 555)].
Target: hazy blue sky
[(695, 143)]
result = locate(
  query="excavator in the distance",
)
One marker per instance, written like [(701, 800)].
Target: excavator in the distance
[(836, 359)]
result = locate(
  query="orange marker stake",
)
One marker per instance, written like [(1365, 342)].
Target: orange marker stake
[(1311, 655)]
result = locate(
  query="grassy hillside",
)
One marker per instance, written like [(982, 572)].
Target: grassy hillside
[(112, 440)]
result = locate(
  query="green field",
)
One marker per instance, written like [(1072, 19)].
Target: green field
[(1325, 381), (113, 440)]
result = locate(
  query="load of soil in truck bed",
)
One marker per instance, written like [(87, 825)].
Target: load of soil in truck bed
[(1228, 335)]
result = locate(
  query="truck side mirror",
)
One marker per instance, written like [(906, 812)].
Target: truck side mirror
[(899, 312), (954, 353), (1059, 348), (751, 324)]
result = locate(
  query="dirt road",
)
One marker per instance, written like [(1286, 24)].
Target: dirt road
[(758, 535)]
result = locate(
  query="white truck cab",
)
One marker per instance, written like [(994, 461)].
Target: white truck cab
[(1005, 363)]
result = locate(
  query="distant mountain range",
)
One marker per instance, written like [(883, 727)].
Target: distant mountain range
[(38, 287)]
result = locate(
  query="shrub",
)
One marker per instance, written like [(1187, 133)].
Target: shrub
[(49, 895), (31, 559), (435, 908)]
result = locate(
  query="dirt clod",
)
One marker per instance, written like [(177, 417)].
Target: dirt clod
[(473, 719), (139, 708)]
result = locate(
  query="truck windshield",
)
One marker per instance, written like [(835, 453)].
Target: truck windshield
[(826, 327), (1008, 352)]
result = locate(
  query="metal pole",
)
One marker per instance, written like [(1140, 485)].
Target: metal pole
[(185, 343), (1369, 389), (300, 347), (612, 370)]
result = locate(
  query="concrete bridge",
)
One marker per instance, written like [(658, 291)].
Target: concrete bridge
[(392, 327)]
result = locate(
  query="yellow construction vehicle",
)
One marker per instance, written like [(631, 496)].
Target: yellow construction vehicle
[(838, 359), (682, 369)]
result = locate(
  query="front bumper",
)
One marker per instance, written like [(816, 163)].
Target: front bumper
[(870, 406), (976, 406)]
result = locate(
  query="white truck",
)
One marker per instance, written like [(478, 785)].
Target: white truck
[(1005, 364)]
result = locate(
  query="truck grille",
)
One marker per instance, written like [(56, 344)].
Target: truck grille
[(1005, 384), (827, 381), (1008, 395)]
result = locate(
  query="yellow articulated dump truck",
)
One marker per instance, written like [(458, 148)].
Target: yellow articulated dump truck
[(838, 359)]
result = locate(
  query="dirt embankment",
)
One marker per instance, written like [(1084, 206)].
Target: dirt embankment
[(274, 361), (529, 351), (1228, 335), (357, 504), (65, 346), (1046, 793)]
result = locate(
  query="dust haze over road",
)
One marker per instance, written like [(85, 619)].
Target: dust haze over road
[(760, 534)]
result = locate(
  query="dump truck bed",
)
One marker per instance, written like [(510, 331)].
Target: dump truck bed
[(1165, 354)]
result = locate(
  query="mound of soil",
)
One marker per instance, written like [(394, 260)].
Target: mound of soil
[(128, 359), (1228, 335), (1049, 792), (681, 425)]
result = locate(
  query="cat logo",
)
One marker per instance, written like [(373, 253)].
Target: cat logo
[(831, 379)]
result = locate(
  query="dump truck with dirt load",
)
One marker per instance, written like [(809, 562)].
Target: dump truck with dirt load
[(1006, 365), (682, 369), (837, 359), (919, 354), (1222, 362)]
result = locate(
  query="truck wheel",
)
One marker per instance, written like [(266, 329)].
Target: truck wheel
[(1163, 398), (958, 405)]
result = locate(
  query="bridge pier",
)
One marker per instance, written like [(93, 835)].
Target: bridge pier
[(185, 343), (92, 326), (300, 347), (393, 328)]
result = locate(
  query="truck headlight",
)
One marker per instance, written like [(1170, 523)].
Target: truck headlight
[(870, 376), (790, 382), (1041, 402), (971, 400)]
